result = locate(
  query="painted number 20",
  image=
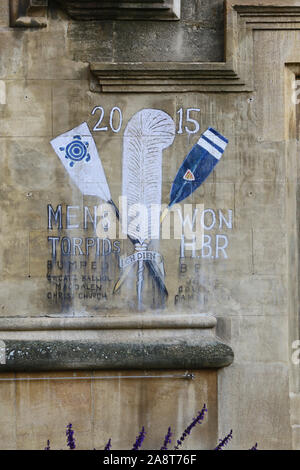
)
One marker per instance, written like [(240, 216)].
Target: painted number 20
[(114, 111)]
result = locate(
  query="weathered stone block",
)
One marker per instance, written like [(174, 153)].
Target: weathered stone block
[(269, 249), (27, 111), (256, 404), (13, 60), (48, 57), (8, 413), (267, 336), (295, 408), (92, 41), (4, 13), (258, 204), (14, 255), (208, 12), (147, 402), (69, 404), (169, 42), (296, 437)]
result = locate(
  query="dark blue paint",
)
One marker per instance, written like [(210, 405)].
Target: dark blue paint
[(201, 163)]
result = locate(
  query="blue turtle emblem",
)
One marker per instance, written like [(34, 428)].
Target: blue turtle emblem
[(76, 150)]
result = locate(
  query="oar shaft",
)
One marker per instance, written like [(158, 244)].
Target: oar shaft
[(153, 270), (140, 283), (164, 214)]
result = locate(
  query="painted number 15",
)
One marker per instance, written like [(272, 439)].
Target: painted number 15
[(187, 121), (193, 126)]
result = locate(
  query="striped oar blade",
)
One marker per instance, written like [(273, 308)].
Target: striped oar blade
[(78, 153), (198, 165)]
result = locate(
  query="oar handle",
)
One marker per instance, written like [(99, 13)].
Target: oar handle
[(115, 208), (140, 274), (164, 214), (153, 270)]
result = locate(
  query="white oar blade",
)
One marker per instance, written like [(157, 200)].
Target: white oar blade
[(147, 134), (78, 153)]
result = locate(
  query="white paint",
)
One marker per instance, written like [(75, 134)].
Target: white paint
[(207, 244), (180, 129), (296, 93), (96, 127), (215, 139), (296, 354), (2, 352), (190, 225), (114, 110), (221, 243), (88, 215), (222, 219), (185, 246), (2, 92), (184, 115), (177, 7), (188, 119), (147, 134), (222, 247), (116, 130), (193, 121), (88, 176), (212, 150), (71, 216), (208, 211)]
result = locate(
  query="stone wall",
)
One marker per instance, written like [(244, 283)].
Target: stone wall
[(56, 77)]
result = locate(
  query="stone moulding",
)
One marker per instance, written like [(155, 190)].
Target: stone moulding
[(33, 13), (242, 17), (28, 13), (113, 343), (158, 10)]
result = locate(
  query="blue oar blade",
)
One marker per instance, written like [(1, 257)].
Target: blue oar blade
[(198, 165)]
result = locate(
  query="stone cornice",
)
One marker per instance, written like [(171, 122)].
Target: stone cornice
[(160, 341), (28, 13), (33, 13), (242, 17), (122, 9)]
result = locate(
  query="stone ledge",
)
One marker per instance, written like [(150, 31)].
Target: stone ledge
[(149, 341), (113, 322), (88, 10), (28, 13), (139, 355)]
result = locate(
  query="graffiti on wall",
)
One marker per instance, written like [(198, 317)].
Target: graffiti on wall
[(138, 217)]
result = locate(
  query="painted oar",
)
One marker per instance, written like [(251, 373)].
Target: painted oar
[(195, 169), (78, 153), (197, 166), (147, 134)]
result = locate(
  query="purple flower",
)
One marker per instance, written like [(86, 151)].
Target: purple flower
[(223, 442), (199, 418), (254, 447), (139, 440), (108, 445), (70, 437), (48, 445), (167, 440)]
